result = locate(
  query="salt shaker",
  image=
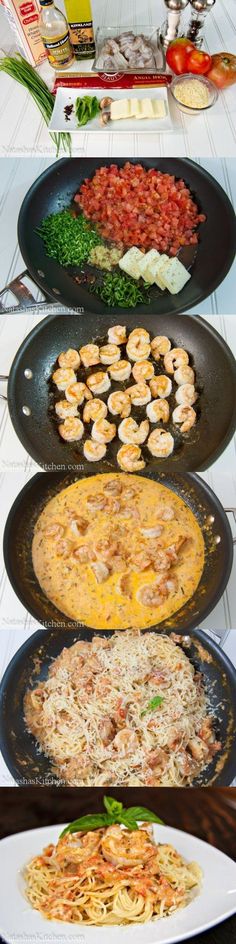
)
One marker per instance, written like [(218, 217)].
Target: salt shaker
[(170, 28), (200, 9)]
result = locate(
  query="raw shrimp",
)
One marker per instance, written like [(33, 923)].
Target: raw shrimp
[(175, 358), (160, 443), (139, 394), (64, 409), (119, 403), (186, 394), (109, 354), (77, 393), (71, 429), (90, 355), (121, 847), (94, 451), (186, 416), (158, 410), (160, 386), (117, 334), (130, 432), (103, 431), (160, 346), (184, 375), (99, 382), (69, 358), (94, 410), (120, 371), (63, 377), (143, 370), (138, 348), (129, 458)]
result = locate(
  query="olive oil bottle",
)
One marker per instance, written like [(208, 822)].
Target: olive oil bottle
[(55, 35), (79, 15)]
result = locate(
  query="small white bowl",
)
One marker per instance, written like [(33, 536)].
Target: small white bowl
[(189, 76)]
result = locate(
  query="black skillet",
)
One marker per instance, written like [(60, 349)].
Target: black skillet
[(30, 666), (31, 396), (56, 188), (193, 490)]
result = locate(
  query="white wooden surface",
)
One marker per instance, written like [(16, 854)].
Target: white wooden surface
[(22, 130), (16, 177)]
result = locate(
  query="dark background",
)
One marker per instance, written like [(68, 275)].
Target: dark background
[(208, 813)]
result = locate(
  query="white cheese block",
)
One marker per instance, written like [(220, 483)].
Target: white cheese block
[(148, 264), (174, 275), (120, 109), (159, 108), (147, 110), (130, 262), (159, 266), (134, 107)]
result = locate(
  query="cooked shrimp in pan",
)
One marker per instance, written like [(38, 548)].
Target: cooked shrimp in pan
[(117, 334), (77, 393), (175, 358), (137, 348), (158, 410), (103, 431), (129, 458), (64, 376), (160, 386), (184, 416), (140, 333), (71, 429), (109, 354), (69, 358), (94, 410), (139, 394), (119, 403), (90, 355), (94, 451), (150, 594), (99, 382), (142, 370), (120, 371), (184, 375), (186, 394), (130, 432), (64, 409), (160, 346), (160, 443)]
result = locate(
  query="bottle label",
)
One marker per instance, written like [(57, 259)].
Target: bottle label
[(82, 37), (58, 49)]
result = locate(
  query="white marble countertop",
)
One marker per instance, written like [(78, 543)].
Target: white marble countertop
[(22, 130)]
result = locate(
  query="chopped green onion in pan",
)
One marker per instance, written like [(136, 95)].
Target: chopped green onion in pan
[(68, 239), (121, 291)]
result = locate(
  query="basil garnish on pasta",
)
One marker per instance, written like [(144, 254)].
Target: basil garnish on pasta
[(154, 703), (115, 813)]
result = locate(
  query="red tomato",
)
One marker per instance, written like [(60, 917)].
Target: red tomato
[(198, 62), (177, 55), (223, 69)]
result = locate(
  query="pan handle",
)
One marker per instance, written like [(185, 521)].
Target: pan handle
[(23, 296), (232, 511), (3, 377)]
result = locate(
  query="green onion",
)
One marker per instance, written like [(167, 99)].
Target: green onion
[(116, 813), (20, 70), (68, 239), (119, 290)]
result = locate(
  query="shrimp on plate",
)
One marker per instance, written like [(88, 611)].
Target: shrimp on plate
[(142, 370), (69, 358), (109, 354), (186, 394), (119, 403), (130, 432), (99, 382), (63, 377), (90, 355), (184, 416), (160, 443), (77, 393), (160, 386), (72, 429), (129, 458), (94, 410), (158, 410), (139, 394), (123, 848), (160, 346), (178, 357), (103, 431), (117, 334), (120, 371), (94, 451)]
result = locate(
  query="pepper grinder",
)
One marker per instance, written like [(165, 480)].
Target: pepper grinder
[(170, 29), (200, 8)]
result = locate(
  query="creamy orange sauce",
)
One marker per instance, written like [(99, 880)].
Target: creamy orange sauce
[(112, 604)]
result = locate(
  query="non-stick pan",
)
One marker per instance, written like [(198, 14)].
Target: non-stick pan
[(195, 492), (31, 400), (55, 189), (30, 666)]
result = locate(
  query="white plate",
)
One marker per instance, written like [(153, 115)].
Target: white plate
[(19, 922), (65, 96)]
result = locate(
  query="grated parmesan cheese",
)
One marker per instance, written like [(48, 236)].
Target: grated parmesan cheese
[(192, 93)]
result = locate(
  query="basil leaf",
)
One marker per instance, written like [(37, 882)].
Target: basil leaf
[(154, 703), (129, 821), (113, 807), (92, 821), (142, 813)]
